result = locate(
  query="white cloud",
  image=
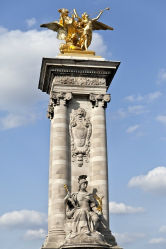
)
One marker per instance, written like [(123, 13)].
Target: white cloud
[(157, 241), (133, 98), (31, 22), (154, 180), (121, 208), (161, 119), (121, 113), (22, 219), (14, 120), (98, 45), (136, 109), (127, 238), (162, 229), (153, 96), (35, 234), (132, 128), (130, 110), (162, 76), (147, 97), (20, 61)]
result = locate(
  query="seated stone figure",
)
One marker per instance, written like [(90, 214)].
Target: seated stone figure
[(83, 215)]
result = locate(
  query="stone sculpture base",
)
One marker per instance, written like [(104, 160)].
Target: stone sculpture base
[(89, 246)]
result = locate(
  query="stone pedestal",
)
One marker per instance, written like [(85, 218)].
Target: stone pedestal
[(78, 146)]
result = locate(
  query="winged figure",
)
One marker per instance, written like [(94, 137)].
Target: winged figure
[(75, 30)]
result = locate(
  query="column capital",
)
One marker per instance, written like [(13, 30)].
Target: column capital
[(99, 98), (57, 98)]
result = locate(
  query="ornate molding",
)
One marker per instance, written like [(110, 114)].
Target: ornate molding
[(50, 112), (79, 81), (57, 98), (80, 132), (102, 98)]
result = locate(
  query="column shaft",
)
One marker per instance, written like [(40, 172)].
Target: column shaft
[(99, 156), (59, 173)]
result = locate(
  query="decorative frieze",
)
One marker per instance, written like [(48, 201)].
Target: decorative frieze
[(96, 98), (79, 81), (80, 132)]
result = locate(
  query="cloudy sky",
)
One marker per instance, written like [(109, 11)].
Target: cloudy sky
[(136, 119)]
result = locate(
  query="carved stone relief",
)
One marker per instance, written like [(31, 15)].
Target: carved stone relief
[(50, 112), (103, 98), (56, 98), (79, 81), (80, 132), (84, 217)]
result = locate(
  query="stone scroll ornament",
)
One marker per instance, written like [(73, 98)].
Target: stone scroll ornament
[(80, 132), (55, 99), (96, 98)]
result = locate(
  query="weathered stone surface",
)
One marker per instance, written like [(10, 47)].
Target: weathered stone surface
[(89, 71), (77, 140), (80, 129)]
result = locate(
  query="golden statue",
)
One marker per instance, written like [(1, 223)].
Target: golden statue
[(75, 30)]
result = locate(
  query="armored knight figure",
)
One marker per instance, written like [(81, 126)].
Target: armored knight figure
[(84, 218), (82, 215)]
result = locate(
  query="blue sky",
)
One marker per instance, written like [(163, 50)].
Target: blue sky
[(136, 119)]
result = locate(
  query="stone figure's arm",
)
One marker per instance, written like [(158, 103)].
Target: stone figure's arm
[(67, 196), (71, 206), (69, 212)]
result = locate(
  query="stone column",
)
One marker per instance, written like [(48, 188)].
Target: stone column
[(99, 149), (58, 175), (81, 76)]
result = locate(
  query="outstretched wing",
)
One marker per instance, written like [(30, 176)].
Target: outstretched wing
[(55, 26), (100, 26)]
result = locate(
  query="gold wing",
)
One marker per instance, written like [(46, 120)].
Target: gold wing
[(100, 26), (55, 26)]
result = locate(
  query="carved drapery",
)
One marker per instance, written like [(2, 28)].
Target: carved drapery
[(80, 132), (55, 99), (96, 98)]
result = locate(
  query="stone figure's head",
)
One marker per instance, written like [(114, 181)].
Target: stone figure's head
[(81, 113), (83, 183)]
